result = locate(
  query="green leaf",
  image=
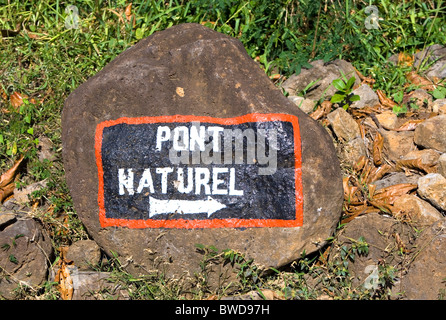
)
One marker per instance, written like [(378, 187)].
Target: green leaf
[(139, 33), (398, 97), (355, 97), (13, 259), (439, 93), (351, 82), (339, 84), (337, 98)]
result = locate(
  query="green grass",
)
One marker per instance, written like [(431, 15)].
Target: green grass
[(44, 61)]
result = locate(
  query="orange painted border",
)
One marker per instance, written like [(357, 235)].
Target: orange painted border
[(208, 223)]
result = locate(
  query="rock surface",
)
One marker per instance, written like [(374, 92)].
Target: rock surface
[(432, 187), (191, 70), (25, 255), (425, 277), (428, 135), (368, 97), (321, 76), (344, 126), (378, 232), (417, 210), (85, 254)]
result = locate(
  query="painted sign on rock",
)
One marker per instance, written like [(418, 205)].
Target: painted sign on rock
[(200, 172)]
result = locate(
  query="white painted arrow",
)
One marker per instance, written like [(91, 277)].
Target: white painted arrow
[(208, 206)]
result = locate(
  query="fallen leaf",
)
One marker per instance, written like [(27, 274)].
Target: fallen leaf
[(63, 276), (360, 163), (128, 12), (414, 78), (409, 125), (349, 191), (322, 110), (7, 180), (16, 99), (364, 79), (378, 144), (378, 173), (416, 164), (65, 281), (6, 191), (391, 193), (386, 102), (405, 60), (357, 211)]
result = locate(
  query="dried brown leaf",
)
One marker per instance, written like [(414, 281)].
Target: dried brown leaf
[(65, 281), (16, 99), (409, 125), (378, 145), (360, 210), (128, 12), (382, 205), (415, 164), (6, 191), (386, 102), (405, 60), (7, 185), (414, 78), (378, 173), (363, 78), (390, 194), (322, 110), (8, 177), (360, 163)]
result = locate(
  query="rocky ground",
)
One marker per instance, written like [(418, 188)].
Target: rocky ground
[(393, 158), (394, 169)]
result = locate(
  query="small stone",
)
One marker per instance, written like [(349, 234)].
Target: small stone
[(306, 105), (353, 150), (368, 97), (45, 149), (343, 124), (429, 157), (85, 254), (439, 106), (432, 187), (398, 144), (436, 54), (388, 119), (419, 211), (442, 165), (431, 133)]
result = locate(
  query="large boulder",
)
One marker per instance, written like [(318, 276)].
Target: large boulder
[(121, 119)]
